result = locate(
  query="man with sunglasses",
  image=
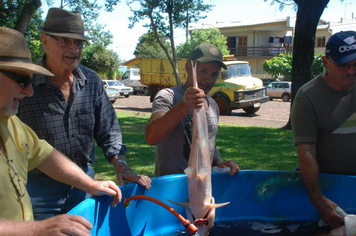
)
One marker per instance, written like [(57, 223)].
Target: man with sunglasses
[(21, 151), (71, 111), (323, 120)]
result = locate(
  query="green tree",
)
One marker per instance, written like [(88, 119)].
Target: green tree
[(164, 16), (9, 14), (105, 62), (198, 36), (147, 47), (282, 66), (14, 14), (308, 16)]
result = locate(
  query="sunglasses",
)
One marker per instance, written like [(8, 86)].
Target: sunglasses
[(22, 80)]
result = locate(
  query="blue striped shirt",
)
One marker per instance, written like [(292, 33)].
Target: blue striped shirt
[(72, 127)]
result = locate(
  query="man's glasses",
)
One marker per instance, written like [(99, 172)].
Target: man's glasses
[(22, 80), (343, 67), (67, 43)]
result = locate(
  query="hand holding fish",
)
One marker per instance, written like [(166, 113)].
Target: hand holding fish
[(194, 97)]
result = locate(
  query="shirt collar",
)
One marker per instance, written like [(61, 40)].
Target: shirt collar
[(79, 77)]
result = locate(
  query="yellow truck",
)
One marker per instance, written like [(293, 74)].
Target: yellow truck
[(234, 89)]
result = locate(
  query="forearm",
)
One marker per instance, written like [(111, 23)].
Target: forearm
[(62, 169), (217, 158), (310, 171), (12, 227), (161, 125)]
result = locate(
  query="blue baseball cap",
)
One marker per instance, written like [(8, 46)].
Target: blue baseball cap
[(341, 47)]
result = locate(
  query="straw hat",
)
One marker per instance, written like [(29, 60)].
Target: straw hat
[(15, 55), (64, 24)]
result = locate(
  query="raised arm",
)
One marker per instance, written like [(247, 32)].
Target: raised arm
[(160, 125)]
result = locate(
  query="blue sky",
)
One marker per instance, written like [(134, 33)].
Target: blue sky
[(125, 39)]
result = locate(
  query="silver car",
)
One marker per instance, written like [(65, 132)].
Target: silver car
[(280, 89)]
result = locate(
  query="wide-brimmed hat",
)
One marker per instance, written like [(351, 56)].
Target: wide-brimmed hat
[(207, 52), (341, 47), (63, 23), (15, 55)]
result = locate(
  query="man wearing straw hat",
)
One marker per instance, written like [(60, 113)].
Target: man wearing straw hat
[(70, 110), (21, 150)]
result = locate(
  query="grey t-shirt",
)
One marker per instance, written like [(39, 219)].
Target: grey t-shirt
[(326, 118), (172, 153)]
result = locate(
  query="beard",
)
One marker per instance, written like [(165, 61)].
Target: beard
[(11, 110)]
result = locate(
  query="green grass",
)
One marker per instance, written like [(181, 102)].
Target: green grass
[(252, 148)]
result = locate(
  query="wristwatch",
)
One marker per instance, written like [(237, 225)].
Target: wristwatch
[(116, 161)]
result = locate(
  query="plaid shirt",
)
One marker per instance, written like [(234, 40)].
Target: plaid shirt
[(72, 127)]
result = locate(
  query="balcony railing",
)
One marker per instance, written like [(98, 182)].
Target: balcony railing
[(259, 51)]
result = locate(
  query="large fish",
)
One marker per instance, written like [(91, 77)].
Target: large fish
[(201, 205)]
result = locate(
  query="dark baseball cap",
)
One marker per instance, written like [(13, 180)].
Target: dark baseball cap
[(341, 47), (207, 52)]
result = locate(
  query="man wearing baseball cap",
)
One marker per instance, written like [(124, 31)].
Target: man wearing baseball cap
[(21, 151), (323, 121), (71, 110), (169, 127)]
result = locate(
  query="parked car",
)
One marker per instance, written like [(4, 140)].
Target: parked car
[(280, 89), (112, 94), (116, 85)]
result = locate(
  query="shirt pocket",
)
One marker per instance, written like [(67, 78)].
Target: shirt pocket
[(86, 122)]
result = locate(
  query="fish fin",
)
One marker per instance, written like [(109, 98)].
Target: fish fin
[(185, 204), (191, 172), (218, 205), (203, 173)]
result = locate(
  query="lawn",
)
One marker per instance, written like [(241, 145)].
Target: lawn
[(252, 148)]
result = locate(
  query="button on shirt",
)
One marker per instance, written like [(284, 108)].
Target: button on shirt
[(72, 127)]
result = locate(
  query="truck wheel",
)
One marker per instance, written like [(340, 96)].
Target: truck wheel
[(251, 110), (285, 97), (223, 104), (126, 96), (146, 91)]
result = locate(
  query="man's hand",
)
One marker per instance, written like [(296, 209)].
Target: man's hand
[(63, 225), (100, 188), (327, 212), (193, 98), (234, 168), (123, 172)]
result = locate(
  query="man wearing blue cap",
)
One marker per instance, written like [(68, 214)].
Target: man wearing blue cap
[(323, 120)]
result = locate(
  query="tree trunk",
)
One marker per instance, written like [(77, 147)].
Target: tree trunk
[(28, 10), (308, 15)]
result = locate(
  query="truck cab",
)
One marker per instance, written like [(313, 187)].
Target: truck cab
[(236, 88), (131, 78)]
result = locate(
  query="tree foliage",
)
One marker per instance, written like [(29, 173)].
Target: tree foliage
[(10, 12), (15, 14), (282, 66), (308, 16), (198, 36), (147, 47), (164, 16), (105, 62)]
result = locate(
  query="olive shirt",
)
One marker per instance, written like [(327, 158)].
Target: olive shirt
[(326, 118), (172, 153), (25, 151)]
